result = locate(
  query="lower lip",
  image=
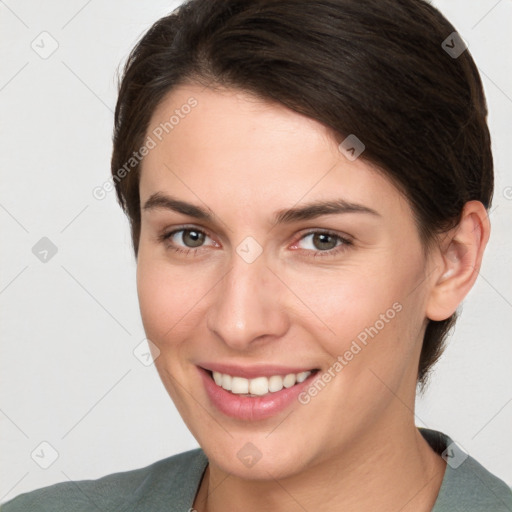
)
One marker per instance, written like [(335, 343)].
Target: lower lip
[(251, 408)]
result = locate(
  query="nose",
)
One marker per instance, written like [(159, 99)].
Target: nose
[(248, 308)]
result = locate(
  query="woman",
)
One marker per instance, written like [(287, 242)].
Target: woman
[(307, 185)]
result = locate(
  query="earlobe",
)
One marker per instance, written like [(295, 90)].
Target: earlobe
[(460, 260)]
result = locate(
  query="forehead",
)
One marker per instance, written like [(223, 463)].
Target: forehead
[(236, 149), (233, 120)]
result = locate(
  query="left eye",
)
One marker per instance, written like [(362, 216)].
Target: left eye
[(323, 243)]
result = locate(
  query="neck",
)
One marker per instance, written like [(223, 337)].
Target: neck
[(387, 470)]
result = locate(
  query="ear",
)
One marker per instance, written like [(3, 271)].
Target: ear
[(458, 262)]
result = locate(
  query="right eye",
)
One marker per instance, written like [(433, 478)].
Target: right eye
[(185, 240)]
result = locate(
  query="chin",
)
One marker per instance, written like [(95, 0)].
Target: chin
[(256, 458)]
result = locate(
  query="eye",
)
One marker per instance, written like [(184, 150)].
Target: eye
[(191, 238), (323, 243)]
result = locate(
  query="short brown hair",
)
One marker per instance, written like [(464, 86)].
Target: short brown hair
[(374, 68)]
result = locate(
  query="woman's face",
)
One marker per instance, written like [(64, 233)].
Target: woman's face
[(248, 290)]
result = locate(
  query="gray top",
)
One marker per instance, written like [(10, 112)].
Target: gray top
[(171, 484)]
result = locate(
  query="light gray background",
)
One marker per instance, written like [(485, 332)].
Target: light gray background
[(70, 325)]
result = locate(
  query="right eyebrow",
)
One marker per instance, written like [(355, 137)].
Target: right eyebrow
[(162, 201)]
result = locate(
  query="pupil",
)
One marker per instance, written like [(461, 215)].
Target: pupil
[(322, 238), (196, 238)]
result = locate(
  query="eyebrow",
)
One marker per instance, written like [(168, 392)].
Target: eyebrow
[(308, 211)]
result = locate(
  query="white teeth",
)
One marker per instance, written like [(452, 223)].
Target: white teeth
[(260, 385), (239, 385), (301, 377), (226, 382), (275, 383), (289, 380)]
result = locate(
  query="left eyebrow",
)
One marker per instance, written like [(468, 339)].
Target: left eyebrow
[(318, 208)]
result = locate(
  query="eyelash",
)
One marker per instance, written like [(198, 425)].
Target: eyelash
[(343, 246)]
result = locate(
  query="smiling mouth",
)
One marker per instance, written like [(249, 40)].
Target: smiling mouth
[(259, 386)]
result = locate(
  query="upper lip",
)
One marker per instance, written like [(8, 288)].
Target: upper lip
[(253, 371)]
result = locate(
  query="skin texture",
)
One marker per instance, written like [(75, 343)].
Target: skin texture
[(354, 446)]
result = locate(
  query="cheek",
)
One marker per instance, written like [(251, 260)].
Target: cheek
[(169, 298), (349, 300), (370, 319)]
